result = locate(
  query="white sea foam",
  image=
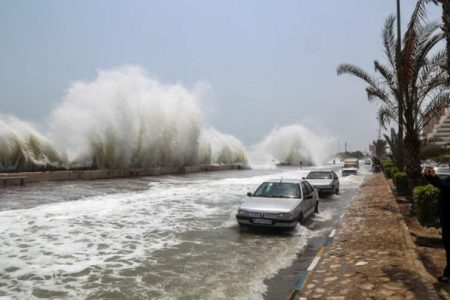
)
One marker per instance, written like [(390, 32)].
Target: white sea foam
[(179, 233), (325, 215)]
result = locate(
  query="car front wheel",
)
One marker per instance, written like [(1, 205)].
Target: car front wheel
[(300, 218)]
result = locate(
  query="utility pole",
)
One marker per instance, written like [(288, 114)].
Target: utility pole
[(399, 70), (402, 88)]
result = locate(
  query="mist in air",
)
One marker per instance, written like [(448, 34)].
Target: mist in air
[(128, 119)]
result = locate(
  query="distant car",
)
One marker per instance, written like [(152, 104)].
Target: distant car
[(279, 203), (326, 181), (349, 169), (442, 171), (367, 162)]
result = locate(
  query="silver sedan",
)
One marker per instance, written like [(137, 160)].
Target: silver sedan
[(279, 203), (325, 181)]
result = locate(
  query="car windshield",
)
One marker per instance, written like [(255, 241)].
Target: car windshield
[(319, 175), (278, 190), (349, 166)]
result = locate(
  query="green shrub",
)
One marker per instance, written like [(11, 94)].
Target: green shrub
[(394, 170), (426, 198), (401, 183), (387, 172), (386, 163)]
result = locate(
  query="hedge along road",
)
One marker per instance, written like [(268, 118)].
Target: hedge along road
[(160, 237)]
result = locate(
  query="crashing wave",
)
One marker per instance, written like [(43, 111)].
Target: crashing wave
[(125, 118), (291, 145), (23, 148)]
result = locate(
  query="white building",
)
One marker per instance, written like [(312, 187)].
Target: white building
[(438, 130)]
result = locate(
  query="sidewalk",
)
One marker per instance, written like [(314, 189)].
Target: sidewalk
[(372, 255)]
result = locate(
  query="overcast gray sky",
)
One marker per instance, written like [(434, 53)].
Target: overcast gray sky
[(268, 63)]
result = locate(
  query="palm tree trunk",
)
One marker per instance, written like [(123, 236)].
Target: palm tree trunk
[(446, 22), (412, 160), (401, 153)]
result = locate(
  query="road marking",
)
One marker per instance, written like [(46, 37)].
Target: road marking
[(306, 274), (333, 232), (313, 263)]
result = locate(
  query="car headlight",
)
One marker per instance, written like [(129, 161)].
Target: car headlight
[(284, 216), (242, 212)]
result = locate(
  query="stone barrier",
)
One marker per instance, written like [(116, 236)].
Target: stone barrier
[(114, 173)]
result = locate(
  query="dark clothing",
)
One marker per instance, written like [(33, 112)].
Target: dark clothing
[(444, 213)]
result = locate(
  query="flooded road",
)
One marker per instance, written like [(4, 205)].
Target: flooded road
[(167, 237)]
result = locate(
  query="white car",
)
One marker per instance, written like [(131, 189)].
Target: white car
[(349, 169), (325, 181), (442, 171), (279, 203)]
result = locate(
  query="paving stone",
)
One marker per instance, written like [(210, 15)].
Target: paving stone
[(344, 292), (395, 298), (328, 279), (346, 281), (335, 266), (386, 292), (367, 286)]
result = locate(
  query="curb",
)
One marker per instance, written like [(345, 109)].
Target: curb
[(412, 248), (305, 275)]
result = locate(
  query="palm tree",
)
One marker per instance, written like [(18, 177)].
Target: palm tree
[(413, 80), (380, 148), (396, 146), (446, 28)]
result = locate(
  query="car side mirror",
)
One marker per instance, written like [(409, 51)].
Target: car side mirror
[(308, 197), (249, 194)]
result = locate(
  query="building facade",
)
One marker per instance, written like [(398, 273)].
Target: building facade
[(437, 130)]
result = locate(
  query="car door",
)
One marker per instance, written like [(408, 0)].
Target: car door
[(309, 196), (304, 205), (335, 180)]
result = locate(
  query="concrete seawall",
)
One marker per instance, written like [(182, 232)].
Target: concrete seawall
[(114, 173)]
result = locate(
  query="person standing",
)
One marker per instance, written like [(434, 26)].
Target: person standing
[(444, 214)]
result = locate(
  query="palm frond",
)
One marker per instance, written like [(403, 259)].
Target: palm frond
[(386, 115), (356, 71), (417, 32), (376, 93), (390, 41), (418, 16), (390, 78)]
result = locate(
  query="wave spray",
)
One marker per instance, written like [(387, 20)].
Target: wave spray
[(125, 118)]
